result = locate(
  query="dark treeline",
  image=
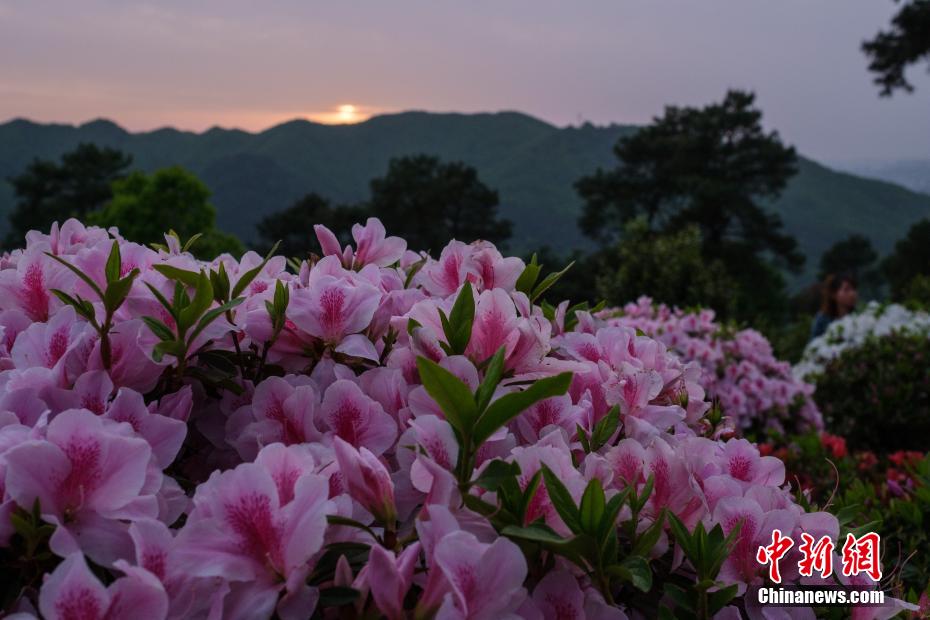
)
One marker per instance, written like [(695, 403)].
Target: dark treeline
[(679, 218)]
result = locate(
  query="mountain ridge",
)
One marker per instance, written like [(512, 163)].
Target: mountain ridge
[(533, 165)]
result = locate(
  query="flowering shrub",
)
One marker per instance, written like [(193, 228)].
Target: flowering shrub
[(889, 494), (738, 369), (877, 395), (854, 330), (380, 433)]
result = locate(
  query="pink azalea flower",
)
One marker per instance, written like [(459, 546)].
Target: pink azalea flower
[(72, 591), (333, 308), (282, 410), (28, 286), (475, 569), (390, 578), (366, 480), (87, 473), (242, 530), (357, 419)]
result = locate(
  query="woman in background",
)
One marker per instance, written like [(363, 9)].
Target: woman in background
[(839, 296)]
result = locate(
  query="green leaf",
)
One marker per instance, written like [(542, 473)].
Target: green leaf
[(249, 275), (648, 539), (492, 377), (681, 534), (495, 473), (609, 520), (509, 406), (719, 599), (203, 299), (635, 570), (605, 428), (583, 438), (451, 394), (536, 533), (118, 290), (461, 319), (337, 596), (592, 507), (191, 241), (114, 263), (548, 281), (167, 305), (83, 276), (212, 315), (189, 278), (81, 306), (158, 328), (220, 281), (562, 501), (412, 271), (169, 347), (529, 276), (526, 497)]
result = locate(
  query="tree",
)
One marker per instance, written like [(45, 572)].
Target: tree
[(144, 207), (47, 192), (907, 42), (429, 202), (708, 167), (910, 259), (668, 267), (293, 226)]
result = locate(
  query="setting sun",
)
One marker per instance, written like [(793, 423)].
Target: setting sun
[(343, 114), (347, 113)]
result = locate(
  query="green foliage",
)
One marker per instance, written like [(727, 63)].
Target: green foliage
[(530, 163), (903, 521), (25, 558), (877, 395), (854, 254), (918, 293), (112, 296), (905, 43), (293, 226), (889, 495), (706, 167), (668, 267), (472, 415), (144, 206), (911, 258), (428, 202), (706, 551), (47, 191)]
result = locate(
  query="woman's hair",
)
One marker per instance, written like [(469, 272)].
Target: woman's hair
[(831, 284)]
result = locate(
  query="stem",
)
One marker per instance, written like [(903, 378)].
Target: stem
[(235, 341), (105, 350)]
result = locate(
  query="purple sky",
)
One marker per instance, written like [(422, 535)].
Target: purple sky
[(197, 63)]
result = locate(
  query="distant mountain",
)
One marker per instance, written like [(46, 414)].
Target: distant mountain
[(913, 174), (532, 164)]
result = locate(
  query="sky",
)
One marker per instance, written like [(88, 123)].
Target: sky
[(194, 64)]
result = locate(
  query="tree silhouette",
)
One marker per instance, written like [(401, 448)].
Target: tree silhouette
[(429, 202), (144, 207), (47, 191), (910, 259), (854, 254), (709, 167), (907, 42), (293, 226)]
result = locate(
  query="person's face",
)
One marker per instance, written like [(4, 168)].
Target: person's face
[(847, 297)]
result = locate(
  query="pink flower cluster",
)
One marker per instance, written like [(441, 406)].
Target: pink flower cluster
[(738, 369), (292, 462)]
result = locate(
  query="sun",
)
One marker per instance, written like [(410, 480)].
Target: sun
[(342, 114), (348, 113)]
